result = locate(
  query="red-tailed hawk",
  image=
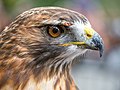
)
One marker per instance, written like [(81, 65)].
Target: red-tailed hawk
[(39, 47)]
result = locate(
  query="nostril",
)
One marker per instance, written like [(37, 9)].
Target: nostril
[(89, 35), (89, 32)]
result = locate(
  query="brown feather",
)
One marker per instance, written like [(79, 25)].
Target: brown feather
[(26, 61)]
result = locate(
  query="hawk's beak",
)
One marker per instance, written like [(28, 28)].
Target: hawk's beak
[(92, 41), (95, 43)]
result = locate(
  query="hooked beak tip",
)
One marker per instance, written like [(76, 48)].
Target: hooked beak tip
[(98, 42), (101, 52)]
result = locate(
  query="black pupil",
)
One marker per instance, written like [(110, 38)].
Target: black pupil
[(55, 30)]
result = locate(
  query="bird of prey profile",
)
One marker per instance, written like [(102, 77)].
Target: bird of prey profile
[(38, 48)]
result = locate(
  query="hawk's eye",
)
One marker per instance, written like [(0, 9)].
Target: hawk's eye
[(54, 31)]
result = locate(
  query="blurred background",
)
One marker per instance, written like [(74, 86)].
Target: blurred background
[(92, 72)]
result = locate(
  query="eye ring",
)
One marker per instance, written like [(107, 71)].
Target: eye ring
[(54, 31)]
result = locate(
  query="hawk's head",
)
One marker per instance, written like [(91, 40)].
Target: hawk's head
[(59, 34), (45, 40)]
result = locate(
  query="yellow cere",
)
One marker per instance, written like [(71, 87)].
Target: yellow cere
[(89, 32)]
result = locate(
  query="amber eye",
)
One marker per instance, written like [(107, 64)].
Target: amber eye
[(54, 31)]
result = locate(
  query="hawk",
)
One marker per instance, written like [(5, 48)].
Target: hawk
[(38, 48)]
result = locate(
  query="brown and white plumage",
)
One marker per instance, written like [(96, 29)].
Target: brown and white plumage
[(38, 48)]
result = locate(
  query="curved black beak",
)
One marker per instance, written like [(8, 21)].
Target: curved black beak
[(96, 43)]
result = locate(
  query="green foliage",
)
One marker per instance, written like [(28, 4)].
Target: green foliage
[(112, 7), (9, 4), (48, 2), (14, 6)]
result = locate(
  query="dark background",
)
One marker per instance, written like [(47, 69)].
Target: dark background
[(92, 73)]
